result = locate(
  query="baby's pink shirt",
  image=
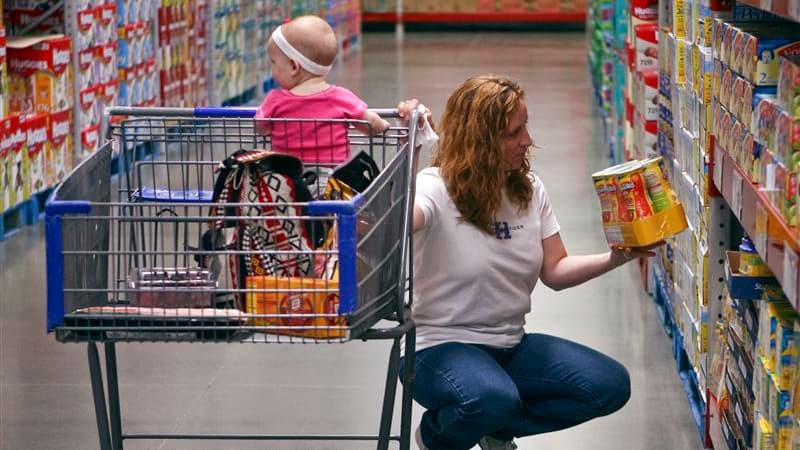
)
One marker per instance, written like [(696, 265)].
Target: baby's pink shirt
[(312, 141)]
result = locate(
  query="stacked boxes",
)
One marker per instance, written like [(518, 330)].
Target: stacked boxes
[(754, 102), (96, 80), (40, 96), (685, 74), (228, 38), (183, 52), (137, 64)]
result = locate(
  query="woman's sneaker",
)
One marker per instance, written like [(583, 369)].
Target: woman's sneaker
[(490, 443)]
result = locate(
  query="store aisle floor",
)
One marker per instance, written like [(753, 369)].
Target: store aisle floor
[(45, 396)]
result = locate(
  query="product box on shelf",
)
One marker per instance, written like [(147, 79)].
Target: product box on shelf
[(3, 76), (5, 174), (35, 126), (59, 151), (764, 119), (742, 286), (646, 95), (86, 29), (787, 139), (17, 162), (40, 75), (789, 84), (646, 44)]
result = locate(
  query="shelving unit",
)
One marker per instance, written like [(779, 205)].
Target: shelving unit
[(475, 13), (175, 53), (689, 288)]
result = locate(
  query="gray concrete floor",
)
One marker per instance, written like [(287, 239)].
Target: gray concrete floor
[(45, 396)]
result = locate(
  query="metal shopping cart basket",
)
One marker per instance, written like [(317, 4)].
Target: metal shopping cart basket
[(134, 253)]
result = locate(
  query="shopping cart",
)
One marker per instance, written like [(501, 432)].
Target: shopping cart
[(129, 257)]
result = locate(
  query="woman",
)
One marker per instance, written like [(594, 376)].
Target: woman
[(484, 234)]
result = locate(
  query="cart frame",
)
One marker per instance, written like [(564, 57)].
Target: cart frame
[(105, 386)]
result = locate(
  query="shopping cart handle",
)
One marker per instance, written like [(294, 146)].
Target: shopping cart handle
[(225, 112), (62, 207)]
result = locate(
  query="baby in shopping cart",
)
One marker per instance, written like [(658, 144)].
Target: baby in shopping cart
[(302, 52)]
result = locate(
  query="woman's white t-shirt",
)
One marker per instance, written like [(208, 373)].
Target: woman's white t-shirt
[(470, 286)]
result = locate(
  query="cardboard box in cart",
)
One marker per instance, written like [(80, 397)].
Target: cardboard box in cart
[(296, 302)]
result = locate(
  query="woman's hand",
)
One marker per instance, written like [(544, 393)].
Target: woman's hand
[(621, 255), (405, 108)]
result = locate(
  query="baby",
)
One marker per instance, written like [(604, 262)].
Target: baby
[(302, 52)]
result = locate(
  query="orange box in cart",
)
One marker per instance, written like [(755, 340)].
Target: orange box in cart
[(638, 205), (309, 304)]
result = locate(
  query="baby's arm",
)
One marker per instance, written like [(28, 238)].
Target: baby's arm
[(376, 124)]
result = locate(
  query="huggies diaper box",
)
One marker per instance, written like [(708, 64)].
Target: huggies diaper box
[(638, 205), (35, 126), (40, 78)]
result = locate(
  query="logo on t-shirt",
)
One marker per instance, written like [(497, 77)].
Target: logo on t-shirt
[(502, 231)]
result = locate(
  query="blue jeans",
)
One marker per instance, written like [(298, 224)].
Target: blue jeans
[(543, 384)]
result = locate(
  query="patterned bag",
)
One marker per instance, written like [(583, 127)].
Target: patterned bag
[(256, 177)]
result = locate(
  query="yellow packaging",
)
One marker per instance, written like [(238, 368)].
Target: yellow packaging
[(606, 189), (639, 220), (311, 303)]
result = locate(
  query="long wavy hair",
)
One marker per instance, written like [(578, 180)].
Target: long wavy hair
[(470, 157)]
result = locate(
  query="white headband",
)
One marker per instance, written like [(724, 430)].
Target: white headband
[(293, 53)]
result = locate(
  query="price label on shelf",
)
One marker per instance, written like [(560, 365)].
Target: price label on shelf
[(736, 194), (790, 273), (760, 237)]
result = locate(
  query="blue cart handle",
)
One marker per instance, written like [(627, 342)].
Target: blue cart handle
[(226, 112)]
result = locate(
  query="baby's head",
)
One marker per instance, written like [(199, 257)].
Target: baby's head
[(303, 48)]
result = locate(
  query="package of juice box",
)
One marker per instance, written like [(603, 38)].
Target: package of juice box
[(631, 185), (661, 194), (607, 193)]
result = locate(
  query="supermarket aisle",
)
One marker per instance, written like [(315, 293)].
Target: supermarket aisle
[(45, 399)]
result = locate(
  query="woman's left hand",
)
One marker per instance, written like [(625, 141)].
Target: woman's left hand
[(620, 254), (405, 108)]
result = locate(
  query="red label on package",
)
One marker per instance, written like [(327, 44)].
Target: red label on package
[(6, 127), (52, 54), (109, 90), (86, 19), (15, 134), (107, 13), (644, 9), (85, 59), (60, 125), (107, 52), (790, 50), (88, 96), (37, 133), (90, 136)]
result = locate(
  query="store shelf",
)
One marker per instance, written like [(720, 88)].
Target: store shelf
[(478, 18), (778, 7), (761, 220), (26, 213), (662, 294)]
